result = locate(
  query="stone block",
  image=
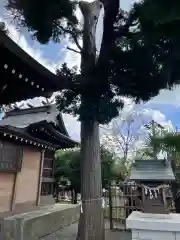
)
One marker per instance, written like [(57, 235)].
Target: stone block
[(37, 224)]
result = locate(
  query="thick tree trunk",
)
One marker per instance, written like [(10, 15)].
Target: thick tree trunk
[(92, 223)]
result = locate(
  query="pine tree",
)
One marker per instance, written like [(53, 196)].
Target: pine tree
[(161, 12), (137, 58)]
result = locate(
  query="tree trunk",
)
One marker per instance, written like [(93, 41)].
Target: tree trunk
[(92, 222)]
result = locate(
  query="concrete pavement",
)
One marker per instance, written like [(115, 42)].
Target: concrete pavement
[(69, 233)]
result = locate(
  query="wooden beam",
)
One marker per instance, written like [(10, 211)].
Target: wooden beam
[(40, 178), (13, 199)]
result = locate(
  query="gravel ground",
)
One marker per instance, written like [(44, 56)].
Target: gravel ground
[(69, 233)]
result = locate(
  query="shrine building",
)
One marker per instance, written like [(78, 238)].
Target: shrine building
[(28, 137)]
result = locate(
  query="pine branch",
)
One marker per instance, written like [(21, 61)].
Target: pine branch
[(73, 50), (73, 35)]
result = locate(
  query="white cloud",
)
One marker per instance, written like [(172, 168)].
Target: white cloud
[(168, 97), (158, 117)]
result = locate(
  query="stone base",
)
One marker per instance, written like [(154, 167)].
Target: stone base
[(37, 224), (47, 200), (146, 226)]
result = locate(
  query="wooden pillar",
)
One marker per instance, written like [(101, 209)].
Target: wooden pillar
[(143, 199), (13, 199), (164, 200), (110, 206), (40, 178)]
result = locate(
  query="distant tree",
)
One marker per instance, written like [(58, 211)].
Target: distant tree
[(123, 135), (67, 165), (136, 59), (151, 147)]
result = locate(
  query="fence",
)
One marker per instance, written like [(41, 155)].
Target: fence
[(66, 195), (120, 201)]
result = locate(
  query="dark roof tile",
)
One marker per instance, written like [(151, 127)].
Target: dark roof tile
[(152, 170), (24, 117)]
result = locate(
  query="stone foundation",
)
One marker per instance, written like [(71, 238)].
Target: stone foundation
[(146, 226), (37, 224), (47, 200)]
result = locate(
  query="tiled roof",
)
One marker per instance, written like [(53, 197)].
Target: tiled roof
[(20, 135), (43, 123), (152, 170), (24, 117)]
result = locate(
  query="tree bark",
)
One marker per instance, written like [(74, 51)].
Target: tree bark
[(91, 224), (90, 12)]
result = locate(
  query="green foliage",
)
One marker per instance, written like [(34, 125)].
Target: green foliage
[(140, 63), (162, 140), (68, 166), (137, 59), (162, 11), (45, 19), (152, 145), (170, 142), (103, 107)]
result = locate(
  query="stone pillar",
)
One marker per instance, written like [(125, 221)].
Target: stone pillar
[(147, 226)]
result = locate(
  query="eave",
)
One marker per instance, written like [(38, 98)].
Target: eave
[(22, 77), (48, 130), (18, 136)]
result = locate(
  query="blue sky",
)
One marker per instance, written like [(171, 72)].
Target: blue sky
[(166, 105)]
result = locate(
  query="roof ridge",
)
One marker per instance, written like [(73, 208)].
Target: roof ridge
[(24, 111)]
